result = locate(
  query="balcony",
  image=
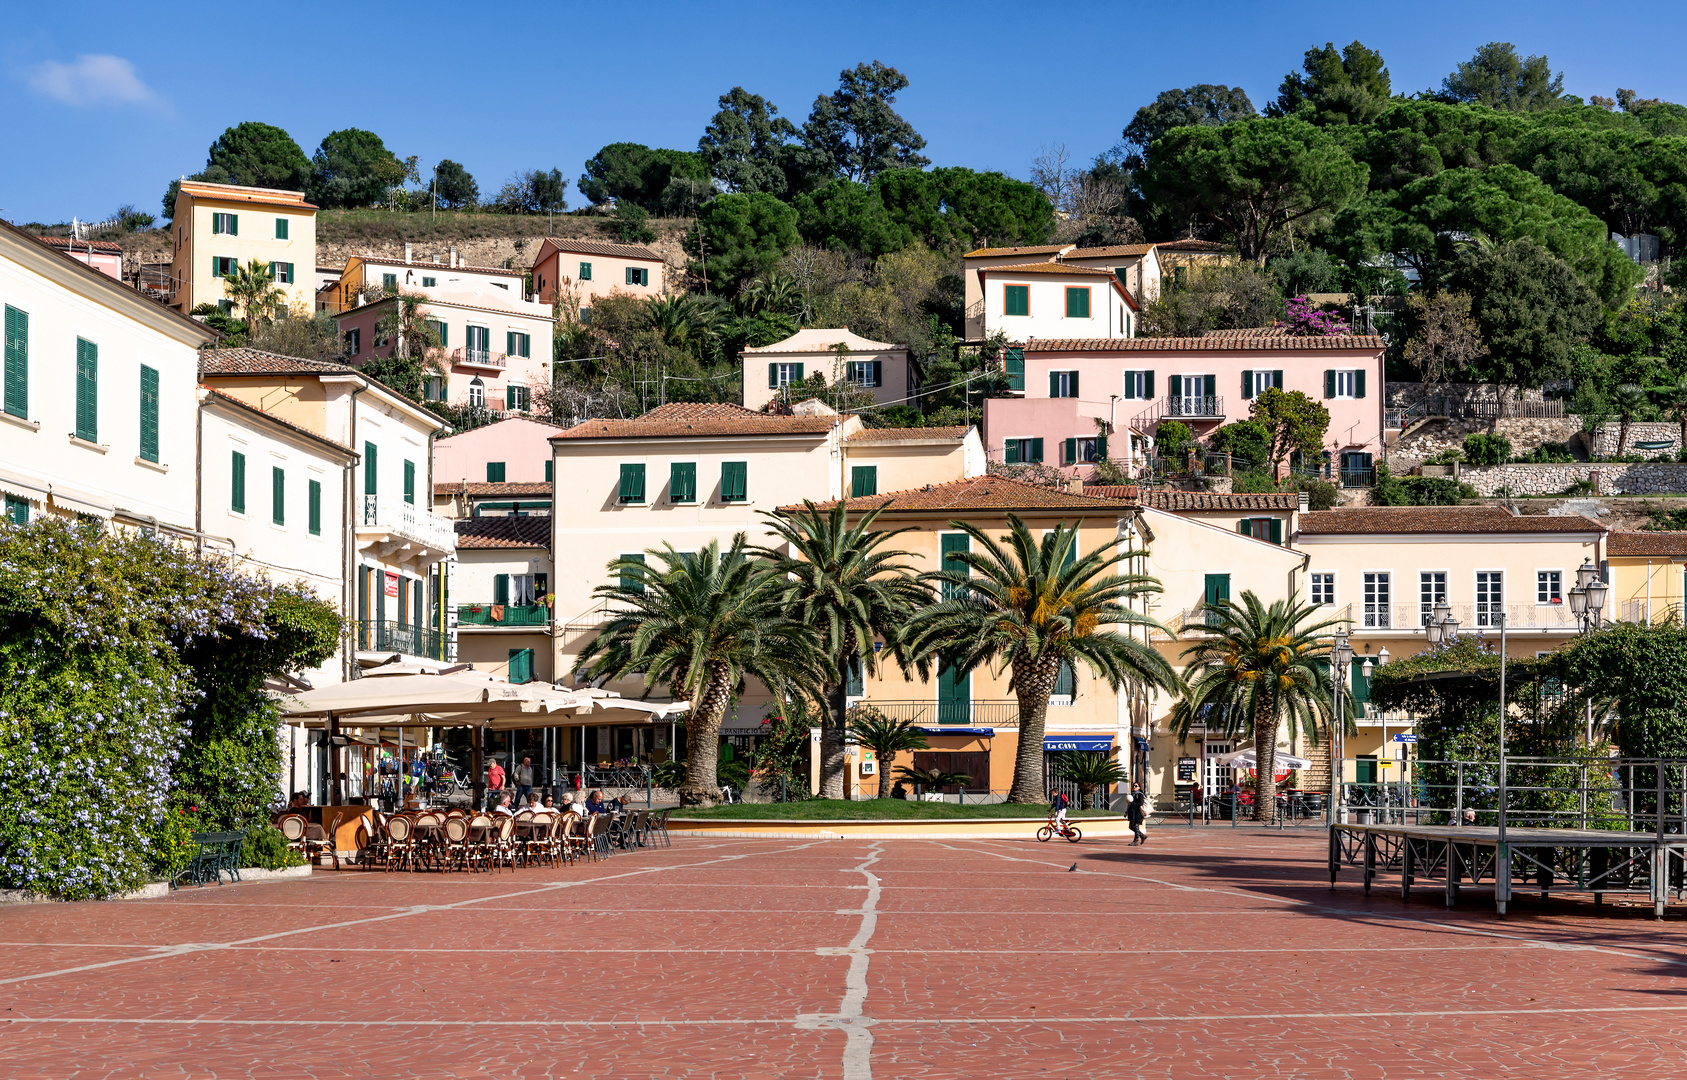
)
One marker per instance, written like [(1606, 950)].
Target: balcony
[(480, 358), (948, 713), (496, 615), (1357, 477), (396, 637), (1194, 408), (405, 532), (1472, 618)]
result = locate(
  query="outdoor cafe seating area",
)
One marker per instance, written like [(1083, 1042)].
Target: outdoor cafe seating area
[(473, 842)]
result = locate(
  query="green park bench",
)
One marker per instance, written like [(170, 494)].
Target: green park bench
[(218, 851)]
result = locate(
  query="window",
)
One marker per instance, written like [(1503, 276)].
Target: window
[(237, 483), (410, 482), (225, 224), (494, 472), (428, 283), (354, 341), (1323, 589), (1490, 597), (632, 483), (1262, 528), (953, 544), (1215, 594), (281, 228), (222, 266), (278, 495), (734, 481), (149, 414), (17, 362), (637, 276), (1432, 590), (517, 398), (521, 666), (1022, 451), (1016, 300), (783, 375), (371, 472), (1083, 451), (1014, 363), (314, 501), (682, 482), (550, 466), (1078, 302), (631, 578), (477, 393), (518, 344), (477, 344), (389, 282), (1139, 385), (585, 271), (282, 272), (1344, 384), (1192, 395), (1064, 681), (585, 316), (1063, 384), (863, 480), (1376, 600), (1255, 383), (17, 511), (1549, 587), (441, 331), (865, 372), (87, 391)]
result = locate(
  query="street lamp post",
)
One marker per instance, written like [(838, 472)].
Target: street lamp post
[(1587, 604), (1341, 655)]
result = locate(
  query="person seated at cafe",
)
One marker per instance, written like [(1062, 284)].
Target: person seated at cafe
[(300, 801), (503, 806), (595, 803), (549, 806), (573, 805), (533, 806)]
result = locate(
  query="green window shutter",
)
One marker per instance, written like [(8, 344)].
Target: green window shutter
[(273, 268), (1276, 530), (1245, 527), (521, 665), (1077, 303), (1212, 386), (550, 467), (501, 588), (1010, 451), (632, 483), (1015, 363), (87, 391), (291, 276), (797, 375), (494, 472), (1247, 385), (509, 398), (509, 343), (149, 413), (315, 507), (735, 481), (1069, 452), (1130, 385), (278, 495), (1072, 384), (17, 362), (1217, 588), (1148, 384), (630, 579), (863, 480), (1277, 379), (682, 482), (585, 271), (237, 483), (1359, 383), (1064, 680), (410, 482), (773, 376), (1016, 300), (1101, 446), (1054, 384), (444, 334), (878, 372), (370, 472), (1174, 385), (1329, 384), (234, 224), (1036, 450), (281, 228)]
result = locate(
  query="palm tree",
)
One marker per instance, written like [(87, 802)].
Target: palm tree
[(1673, 397), (773, 291), (1254, 669), (252, 288), (701, 622), (1033, 608), (885, 737), (412, 332), (1629, 401), (1089, 769), (840, 581), (932, 779)]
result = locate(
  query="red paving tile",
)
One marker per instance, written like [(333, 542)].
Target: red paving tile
[(1209, 954)]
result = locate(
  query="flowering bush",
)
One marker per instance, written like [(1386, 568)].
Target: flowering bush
[(1304, 320), (130, 668)]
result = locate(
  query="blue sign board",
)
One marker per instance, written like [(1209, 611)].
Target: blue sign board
[(1405, 736), (1054, 743)]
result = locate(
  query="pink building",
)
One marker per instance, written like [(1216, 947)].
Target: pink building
[(103, 255), (590, 269), (1087, 399), (500, 468)]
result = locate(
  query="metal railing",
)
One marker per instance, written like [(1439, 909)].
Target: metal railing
[(503, 615), (1197, 407), (479, 358), (1471, 617), (1648, 611), (978, 713), (387, 636), (1355, 477), (410, 521)]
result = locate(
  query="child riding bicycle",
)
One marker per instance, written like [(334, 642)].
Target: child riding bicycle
[(1058, 802)]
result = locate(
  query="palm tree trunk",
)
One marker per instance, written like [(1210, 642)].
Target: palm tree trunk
[(884, 774), (702, 742), (1033, 689), (1265, 761), (833, 764)]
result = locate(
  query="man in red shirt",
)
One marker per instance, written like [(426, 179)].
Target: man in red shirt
[(494, 780)]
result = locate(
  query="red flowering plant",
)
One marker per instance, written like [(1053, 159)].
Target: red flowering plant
[(1304, 320)]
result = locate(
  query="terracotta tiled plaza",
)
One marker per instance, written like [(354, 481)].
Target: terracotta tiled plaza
[(1214, 954)]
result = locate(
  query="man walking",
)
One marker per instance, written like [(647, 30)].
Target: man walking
[(1136, 811), (523, 781), (494, 782)]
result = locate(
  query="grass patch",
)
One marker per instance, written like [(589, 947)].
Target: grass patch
[(875, 810), (375, 226)]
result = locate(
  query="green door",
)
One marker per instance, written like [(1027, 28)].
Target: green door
[(954, 696), (1016, 369), (1217, 592), (1365, 770)]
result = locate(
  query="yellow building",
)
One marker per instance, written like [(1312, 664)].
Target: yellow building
[(1647, 571), (221, 226)]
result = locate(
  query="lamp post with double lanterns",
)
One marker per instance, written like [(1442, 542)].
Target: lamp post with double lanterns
[(1587, 604), (1341, 655)]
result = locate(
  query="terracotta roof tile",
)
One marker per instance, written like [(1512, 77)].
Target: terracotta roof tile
[(503, 532), (1015, 269), (595, 247), (258, 362), (481, 489), (1211, 500), (235, 193), (1113, 491), (65, 243), (989, 252), (1394, 520), (1658, 543), (980, 493), (891, 435), (382, 260), (1345, 342), (683, 419), (1127, 250), (1190, 244), (1249, 332)]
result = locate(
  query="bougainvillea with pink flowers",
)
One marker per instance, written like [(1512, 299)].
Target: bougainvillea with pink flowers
[(1304, 320)]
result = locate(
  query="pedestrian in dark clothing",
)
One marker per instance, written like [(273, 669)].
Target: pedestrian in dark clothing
[(1136, 812)]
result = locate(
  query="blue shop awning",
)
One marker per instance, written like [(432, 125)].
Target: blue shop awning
[(1053, 743), (956, 731)]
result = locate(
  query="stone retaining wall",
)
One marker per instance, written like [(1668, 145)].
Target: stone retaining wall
[(1439, 436), (1605, 440), (1644, 478)]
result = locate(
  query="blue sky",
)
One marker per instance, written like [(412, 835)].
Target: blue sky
[(105, 103)]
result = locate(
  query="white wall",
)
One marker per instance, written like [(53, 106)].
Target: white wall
[(1109, 316)]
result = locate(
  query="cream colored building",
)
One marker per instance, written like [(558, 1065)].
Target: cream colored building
[(501, 598), (219, 227), (365, 273), (1647, 574), (97, 411), (871, 365), (584, 270)]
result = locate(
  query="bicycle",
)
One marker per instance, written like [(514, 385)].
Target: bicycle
[(1051, 830)]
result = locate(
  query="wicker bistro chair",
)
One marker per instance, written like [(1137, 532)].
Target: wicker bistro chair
[(570, 836), (521, 838), (429, 838), (482, 835), (503, 842), (544, 842), (454, 843), (293, 828), (401, 843)]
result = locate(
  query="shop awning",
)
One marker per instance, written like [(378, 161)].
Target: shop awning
[(1055, 743), (956, 731)]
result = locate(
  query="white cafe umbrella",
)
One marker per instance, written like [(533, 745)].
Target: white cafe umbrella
[(1285, 760)]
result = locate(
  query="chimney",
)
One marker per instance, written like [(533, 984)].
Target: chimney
[(1075, 486), (1305, 501), (406, 253), (436, 259), (453, 258)]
